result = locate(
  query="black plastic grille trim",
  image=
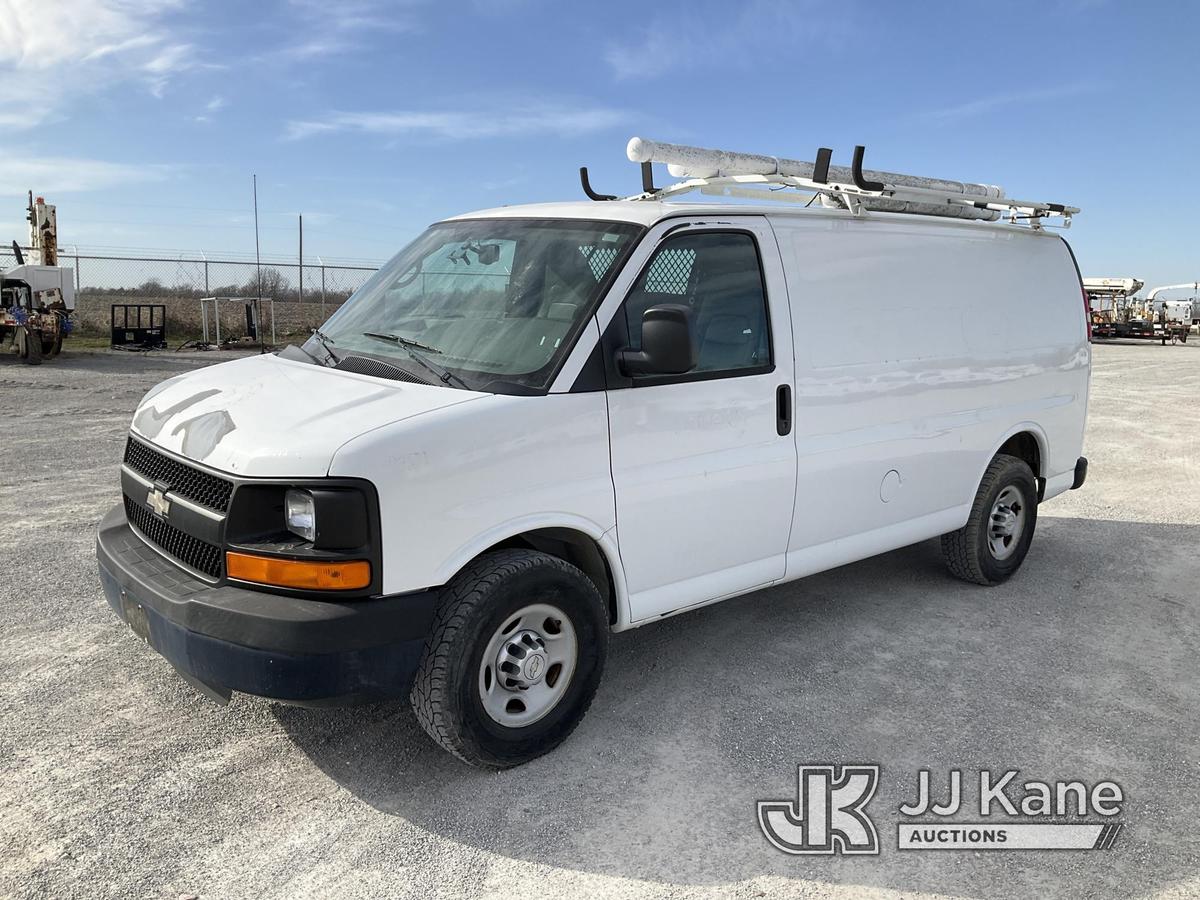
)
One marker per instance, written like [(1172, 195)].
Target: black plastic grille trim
[(184, 480), (191, 551), (365, 365)]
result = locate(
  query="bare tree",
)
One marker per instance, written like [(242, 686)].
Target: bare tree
[(274, 284)]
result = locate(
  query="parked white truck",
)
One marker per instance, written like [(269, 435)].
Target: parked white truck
[(538, 425)]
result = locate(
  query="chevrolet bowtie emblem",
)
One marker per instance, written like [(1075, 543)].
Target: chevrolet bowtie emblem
[(158, 502)]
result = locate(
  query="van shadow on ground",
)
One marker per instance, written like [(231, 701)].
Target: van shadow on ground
[(1082, 667)]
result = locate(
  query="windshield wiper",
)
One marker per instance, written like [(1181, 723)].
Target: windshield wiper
[(445, 376), (327, 343), (402, 341)]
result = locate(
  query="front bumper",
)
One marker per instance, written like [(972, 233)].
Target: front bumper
[(224, 638)]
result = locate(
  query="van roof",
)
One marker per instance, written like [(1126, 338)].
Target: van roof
[(648, 212)]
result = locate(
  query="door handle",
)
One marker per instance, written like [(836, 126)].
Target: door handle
[(783, 409)]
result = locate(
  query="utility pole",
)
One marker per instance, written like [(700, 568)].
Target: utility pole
[(301, 259), (257, 255), (258, 270)]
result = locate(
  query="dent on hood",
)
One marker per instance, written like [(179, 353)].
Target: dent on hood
[(150, 420), (202, 434)]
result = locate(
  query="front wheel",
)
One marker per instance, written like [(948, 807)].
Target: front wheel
[(993, 543), (513, 660)]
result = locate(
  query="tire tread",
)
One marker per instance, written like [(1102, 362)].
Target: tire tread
[(960, 549), (433, 697)]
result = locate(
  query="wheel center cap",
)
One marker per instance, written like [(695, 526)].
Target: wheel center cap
[(534, 666), (1005, 521)]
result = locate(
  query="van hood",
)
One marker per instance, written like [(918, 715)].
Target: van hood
[(271, 417)]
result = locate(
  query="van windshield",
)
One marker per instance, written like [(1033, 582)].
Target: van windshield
[(492, 304)]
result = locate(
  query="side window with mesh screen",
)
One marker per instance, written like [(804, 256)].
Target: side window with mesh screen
[(671, 271), (718, 275), (599, 258)]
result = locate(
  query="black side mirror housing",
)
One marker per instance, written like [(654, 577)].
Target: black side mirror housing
[(668, 343)]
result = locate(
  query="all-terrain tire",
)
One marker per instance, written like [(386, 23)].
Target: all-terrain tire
[(475, 605), (967, 551)]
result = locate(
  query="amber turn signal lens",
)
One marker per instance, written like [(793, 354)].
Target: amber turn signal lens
[(309, 575)]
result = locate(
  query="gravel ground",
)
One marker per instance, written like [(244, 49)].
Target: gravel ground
[(118, 780)]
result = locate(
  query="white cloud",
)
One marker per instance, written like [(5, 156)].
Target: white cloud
[(360, 15), (698, 35), (516, 121), (327, 29), (1012, 98), (304, 50), (213, 106), (61, 174), (49, 57)]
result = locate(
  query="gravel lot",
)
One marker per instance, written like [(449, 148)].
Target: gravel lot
[(118, 780)]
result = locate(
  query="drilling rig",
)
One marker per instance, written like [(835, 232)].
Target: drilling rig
[(37, 295)]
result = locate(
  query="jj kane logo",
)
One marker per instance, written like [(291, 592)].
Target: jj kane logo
[(829, 813)]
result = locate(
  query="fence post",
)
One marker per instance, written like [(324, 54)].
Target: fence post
[(301, 266), (205, 273), (322, 262), (77, 286)]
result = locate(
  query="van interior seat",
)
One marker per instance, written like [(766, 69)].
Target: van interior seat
[(730, 317), (728, 341)]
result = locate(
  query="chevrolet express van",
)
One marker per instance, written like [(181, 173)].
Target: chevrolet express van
[(539, 425)]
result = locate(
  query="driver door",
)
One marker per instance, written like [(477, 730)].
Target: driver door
[(704, 464)]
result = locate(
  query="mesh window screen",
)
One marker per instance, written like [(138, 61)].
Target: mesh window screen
[(670, 271), (599, 259)]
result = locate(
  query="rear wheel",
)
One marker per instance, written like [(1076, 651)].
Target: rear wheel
[(514, 658), (993, 543), (29, 345)]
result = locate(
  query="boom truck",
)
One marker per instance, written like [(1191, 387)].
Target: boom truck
[(1109, 304), (1116, 313), (37, 295), (1172, 318)]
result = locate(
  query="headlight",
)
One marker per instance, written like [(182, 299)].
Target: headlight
[(300, 514)]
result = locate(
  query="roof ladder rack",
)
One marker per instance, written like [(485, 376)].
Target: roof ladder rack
[(744, 175)]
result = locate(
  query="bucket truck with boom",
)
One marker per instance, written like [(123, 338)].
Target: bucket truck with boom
[(37, 296)]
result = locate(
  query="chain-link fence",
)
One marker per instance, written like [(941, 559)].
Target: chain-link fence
[(304, 296)]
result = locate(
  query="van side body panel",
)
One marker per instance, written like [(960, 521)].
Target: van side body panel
[(921, 346)]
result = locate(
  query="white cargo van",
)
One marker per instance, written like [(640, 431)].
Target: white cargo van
[(541, 424)]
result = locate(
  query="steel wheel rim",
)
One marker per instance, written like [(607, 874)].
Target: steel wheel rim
[(1006, 523), (517, 690)]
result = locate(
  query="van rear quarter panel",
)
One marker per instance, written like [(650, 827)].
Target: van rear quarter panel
[(921, 345)]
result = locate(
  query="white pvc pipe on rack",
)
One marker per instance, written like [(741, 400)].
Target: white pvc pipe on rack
[(683, 161)]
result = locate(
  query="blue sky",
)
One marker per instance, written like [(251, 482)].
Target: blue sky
[(144, 119)]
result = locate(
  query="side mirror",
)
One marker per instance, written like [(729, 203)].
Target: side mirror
[(668, 343)]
